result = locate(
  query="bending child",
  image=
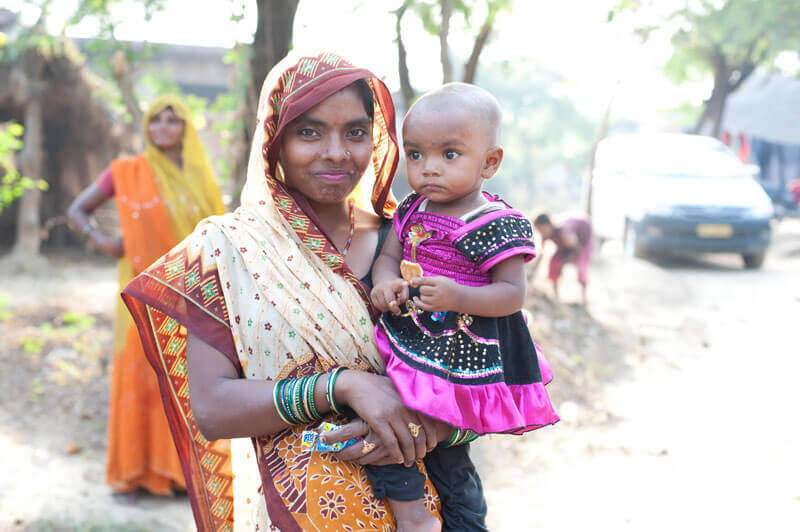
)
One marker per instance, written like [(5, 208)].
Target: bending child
[(456, 344)]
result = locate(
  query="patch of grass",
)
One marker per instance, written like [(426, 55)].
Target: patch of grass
[(32, 345), (76, 321), (5, 312)]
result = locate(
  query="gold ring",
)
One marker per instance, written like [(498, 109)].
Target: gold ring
[(367, 447), (414, 429)]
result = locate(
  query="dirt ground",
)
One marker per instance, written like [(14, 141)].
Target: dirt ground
[(676, 386)]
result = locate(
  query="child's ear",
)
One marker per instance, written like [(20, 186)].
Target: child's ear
[(492, 162)]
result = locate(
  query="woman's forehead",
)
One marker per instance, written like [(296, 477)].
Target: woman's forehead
[(344, 106)]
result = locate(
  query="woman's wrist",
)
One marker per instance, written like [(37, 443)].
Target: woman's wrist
[(343, 386)]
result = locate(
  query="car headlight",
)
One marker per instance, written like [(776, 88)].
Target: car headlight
[(762, 210)]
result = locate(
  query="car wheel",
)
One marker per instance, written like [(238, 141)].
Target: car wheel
[(630, 242), (753, 261)]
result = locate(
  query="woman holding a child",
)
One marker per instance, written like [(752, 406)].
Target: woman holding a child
[(265, 315)]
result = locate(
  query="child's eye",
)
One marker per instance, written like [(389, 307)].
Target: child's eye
[(414, 155), (450, 154)]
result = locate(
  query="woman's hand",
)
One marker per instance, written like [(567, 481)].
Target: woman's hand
[(435, 431), (376, 401), (109, 245), (378, 455)]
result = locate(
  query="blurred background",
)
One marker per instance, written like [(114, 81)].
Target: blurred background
[(674, 126)]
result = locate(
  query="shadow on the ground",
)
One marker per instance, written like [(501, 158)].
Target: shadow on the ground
[(584, 353)]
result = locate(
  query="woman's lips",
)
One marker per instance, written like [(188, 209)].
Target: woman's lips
[(332, 175)]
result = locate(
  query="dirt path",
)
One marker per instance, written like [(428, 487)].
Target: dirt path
[(677, 391), (703, 431)]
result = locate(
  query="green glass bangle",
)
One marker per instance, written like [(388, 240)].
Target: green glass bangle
[(312, 389), (288, 392), (329, 395), (306, 404), (277, 398), (297, 400), (469, 436)]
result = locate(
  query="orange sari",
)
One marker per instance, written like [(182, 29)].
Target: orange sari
[(155, 210)]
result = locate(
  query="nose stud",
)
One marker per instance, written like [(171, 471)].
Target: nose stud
[(347, 154)]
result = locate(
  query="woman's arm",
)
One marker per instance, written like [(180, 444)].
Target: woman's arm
[(227, 406), (79, 216), (504, 296)]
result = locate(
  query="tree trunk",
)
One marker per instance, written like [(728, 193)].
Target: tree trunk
[(271, 43), (600, 136), (444, 48), (28, 222), (272, 38), (123, 75), (471, 66), (406, 89)]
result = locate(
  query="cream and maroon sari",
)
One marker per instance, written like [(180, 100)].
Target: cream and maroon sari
[(266, 287)]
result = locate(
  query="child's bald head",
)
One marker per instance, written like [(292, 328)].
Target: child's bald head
[(470, 101)]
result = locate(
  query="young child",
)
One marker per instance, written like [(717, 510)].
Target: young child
[(451, 283), (573, 240)]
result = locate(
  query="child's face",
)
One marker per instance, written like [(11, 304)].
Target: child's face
[(446, 156)]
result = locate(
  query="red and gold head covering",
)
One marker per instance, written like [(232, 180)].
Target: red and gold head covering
[(309, 81)]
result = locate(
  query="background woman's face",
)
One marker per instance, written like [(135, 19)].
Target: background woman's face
[(165, 130), (326, 150)]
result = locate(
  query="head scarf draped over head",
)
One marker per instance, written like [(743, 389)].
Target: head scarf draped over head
[(267, 288), (191, 192)]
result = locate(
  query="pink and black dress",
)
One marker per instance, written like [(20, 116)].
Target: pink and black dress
[(473, 372)]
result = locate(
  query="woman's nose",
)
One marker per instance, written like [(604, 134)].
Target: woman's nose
[(335, 149)]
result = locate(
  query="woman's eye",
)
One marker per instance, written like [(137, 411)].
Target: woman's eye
[(307, 132), (414, 155), (450, 154), (357, 133)]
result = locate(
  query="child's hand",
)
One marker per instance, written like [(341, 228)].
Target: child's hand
[(437, 294), (389, 295)]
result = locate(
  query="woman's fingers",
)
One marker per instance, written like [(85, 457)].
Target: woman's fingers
[(407, 445), (354, 429), (420, 440), (430, 433), (390, 443)]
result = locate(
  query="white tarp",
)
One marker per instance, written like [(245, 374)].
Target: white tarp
[(767, 106)]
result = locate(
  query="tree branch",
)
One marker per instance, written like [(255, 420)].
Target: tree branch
[(406, 89), (444, 29), (471, 66)]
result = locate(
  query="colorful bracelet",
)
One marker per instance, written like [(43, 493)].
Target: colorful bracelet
[(329, 395), (459, 437), (277, 399), (293, 398)]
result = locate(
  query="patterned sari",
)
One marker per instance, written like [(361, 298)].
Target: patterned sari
[(266, 287), (158, 205)]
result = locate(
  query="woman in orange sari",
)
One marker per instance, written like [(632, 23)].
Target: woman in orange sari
[(160, 194), (259, 312)]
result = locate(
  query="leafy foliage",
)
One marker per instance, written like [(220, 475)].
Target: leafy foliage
[(12, 184)]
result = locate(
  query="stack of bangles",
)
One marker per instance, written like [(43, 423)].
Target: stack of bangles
[(459, 437), (294, 398)]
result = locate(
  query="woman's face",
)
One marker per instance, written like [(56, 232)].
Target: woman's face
[(166, 130), (325, 151)]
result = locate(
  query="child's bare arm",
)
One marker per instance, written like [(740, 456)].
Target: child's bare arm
[(504, 296), (389, 290)]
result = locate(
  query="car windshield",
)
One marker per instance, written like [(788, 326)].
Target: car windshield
[(675, 159)]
